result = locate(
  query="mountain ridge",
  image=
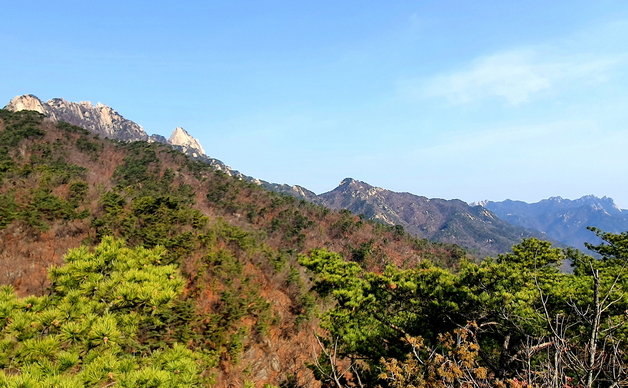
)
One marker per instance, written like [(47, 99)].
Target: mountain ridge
[(101, 119), (190, 277), (182, 138), (451, 221), (564, 220), (104, 120)]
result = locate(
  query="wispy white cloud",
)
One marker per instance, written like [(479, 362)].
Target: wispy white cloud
[(514, 76)]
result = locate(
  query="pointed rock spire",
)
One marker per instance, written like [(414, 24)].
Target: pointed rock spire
[(181, 137)]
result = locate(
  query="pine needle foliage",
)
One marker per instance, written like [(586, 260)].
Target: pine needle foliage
[(85, 332), (512, 321)]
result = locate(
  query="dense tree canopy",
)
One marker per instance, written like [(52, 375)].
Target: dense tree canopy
[(514, 319), (92, 328)]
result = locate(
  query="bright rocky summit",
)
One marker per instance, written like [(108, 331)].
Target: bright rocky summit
[(182, 138), (102, 120), (98, 118), (105, 121)]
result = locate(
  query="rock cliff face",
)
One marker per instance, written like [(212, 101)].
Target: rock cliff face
[(182, 138), (106, 122), (27, 102), (98, 118)]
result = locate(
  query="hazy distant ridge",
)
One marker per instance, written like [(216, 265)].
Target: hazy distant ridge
[(564, 220)]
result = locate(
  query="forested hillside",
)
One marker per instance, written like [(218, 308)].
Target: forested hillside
[(129, 264), (447, 221), (245, 299)]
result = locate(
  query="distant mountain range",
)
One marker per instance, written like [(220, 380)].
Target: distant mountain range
[(564, 220), (451, 221), (487, 228)]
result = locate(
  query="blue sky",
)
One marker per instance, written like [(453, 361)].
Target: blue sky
[(451, 99)]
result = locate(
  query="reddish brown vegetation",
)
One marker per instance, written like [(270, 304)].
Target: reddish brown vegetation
[(280, 226)]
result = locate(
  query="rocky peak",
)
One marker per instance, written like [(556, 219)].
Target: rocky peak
[(105, 121), (98, 118), (180, 137), (482, 203), (26, 102), (355, 188), (565, 220), (353, 184), (347, 181), (604, 204), (157, 139)]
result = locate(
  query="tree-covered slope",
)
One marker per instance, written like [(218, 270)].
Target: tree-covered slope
[(112, 316), (245, 297), (129, 264), (510, 321)]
